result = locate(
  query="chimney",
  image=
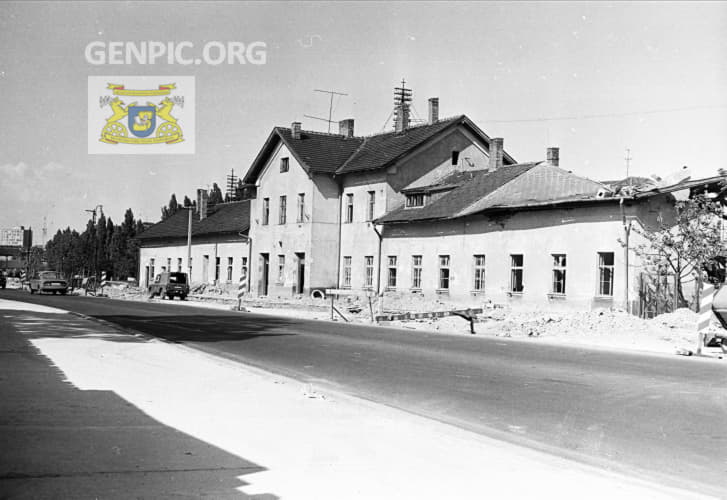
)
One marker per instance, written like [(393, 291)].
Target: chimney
[(433, 109), (345, 128), (496, 153), (295, 130), (202, 203), (553, 156)]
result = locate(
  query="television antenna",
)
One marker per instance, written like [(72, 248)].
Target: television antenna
[(330, 107)]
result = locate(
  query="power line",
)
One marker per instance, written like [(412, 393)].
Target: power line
[(607, 115)]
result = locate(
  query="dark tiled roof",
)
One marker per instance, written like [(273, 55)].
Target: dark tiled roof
[(479, 184), (315, 151), (334, 154), (225, 218)]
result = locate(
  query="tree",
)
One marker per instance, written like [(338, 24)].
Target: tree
[(215, 196), (187, 202), (172, 208), (689, 246)]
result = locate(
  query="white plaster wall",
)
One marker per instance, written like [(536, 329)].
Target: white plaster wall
[(223, 249), (578, 233), (320, 219)]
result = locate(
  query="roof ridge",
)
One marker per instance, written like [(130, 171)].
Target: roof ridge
[(413, 127)]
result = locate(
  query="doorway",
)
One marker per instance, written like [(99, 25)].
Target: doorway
[(265, 278), (301, 272)]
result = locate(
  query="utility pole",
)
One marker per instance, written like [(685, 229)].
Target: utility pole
[(330, 107), (95, 253), (628, 164)]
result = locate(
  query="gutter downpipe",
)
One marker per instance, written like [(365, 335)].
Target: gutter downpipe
[(379, 290), (627, 232), (340, 234)]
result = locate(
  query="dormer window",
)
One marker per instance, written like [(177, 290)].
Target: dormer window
[(284, 164), (455, 157), (414, 200)]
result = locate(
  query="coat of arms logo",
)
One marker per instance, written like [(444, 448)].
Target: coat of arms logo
[(135, 123)]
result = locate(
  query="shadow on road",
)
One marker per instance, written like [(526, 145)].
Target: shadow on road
[(203, 328), (61, 442)]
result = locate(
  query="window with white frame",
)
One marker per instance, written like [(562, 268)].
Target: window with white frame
[(346, 272), (516, 273), (169, 264), (368, 271), (301, 207), (605, 273), (479, 283), (391, 275), (284, 164), (217, 269), (151, 267), (558, 274), (230, 262), (266, 211), (283, 209), (243, 266), (179, 265), (371, 206), (416, 272), (444, 272), (281, 269), (349, 208)]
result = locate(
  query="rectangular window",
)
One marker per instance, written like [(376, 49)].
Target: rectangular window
[(284, 164), (230, 262), (243, 267), (559, 274), (349, 208), (391, 278), (169, 264), (605, 273), (283, 209), (347, 272), (151, 267), (281, 269), (266, 211), (217, 269), (301, 207), (455, 157), (444, 272), (516, 273), (415, 200), (416, 272), (479, 284), (179, 265), (369, 271), (371, 205)]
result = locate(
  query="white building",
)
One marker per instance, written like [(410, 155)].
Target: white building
[(219, 250)]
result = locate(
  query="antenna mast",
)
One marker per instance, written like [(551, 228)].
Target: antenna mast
[(330, 107), (628, 164), (402, 103)]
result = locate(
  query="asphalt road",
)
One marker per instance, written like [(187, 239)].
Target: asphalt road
[(655, 417)]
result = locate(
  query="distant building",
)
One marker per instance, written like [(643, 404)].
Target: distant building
[(219, 247)]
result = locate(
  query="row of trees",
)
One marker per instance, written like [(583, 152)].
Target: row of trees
[(214, 197), (102, 246)]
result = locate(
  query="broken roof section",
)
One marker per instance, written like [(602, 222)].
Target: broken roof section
[(516, 186), (336, 155)]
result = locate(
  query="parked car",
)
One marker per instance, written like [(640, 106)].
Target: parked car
[(170, 285), (48, 282), (3, 281)]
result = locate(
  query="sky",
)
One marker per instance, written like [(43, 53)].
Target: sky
[(594, 79)]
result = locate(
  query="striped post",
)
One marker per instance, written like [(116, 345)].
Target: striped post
[(103, 281), (22, 279), (705, 314), (241, 289)]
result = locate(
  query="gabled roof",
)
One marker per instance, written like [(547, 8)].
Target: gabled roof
[(336, 155), (315, 151), (515, 186), (473, 186), (223, 219)]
